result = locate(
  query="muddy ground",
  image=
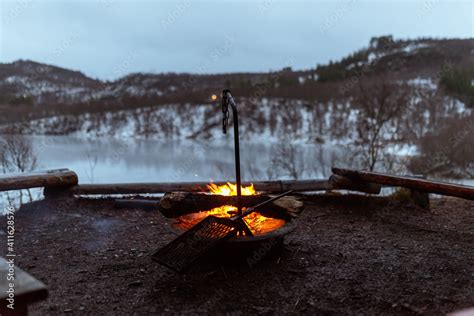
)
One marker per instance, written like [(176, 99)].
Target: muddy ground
[(349, 255)]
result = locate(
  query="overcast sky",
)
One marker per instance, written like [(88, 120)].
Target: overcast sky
[(109, 38)]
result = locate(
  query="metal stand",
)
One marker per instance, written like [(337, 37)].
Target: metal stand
[(227, 100)]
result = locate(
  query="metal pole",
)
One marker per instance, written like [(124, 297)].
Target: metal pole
[(237, 157), (235, 115)]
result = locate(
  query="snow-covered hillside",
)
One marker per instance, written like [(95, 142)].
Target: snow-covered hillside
[(263, 119)]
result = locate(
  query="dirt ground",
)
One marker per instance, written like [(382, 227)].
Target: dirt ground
[(348, 255)]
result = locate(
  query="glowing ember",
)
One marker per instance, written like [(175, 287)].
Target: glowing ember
[(257, 223)]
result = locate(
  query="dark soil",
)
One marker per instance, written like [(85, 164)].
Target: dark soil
[(349, 255)]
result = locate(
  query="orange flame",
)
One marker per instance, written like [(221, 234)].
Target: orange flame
[(258, 223), (230, 189)]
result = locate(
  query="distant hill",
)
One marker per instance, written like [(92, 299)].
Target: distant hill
[(404, 58), (30, 83), (36, 83)]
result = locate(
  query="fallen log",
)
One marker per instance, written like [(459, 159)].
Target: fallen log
[(137, 188), (443, 188), (49, 178), (261, 186)]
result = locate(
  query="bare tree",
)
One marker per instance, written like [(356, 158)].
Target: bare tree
[(92, 160), (17, 155), (288, 161), (379, 104)]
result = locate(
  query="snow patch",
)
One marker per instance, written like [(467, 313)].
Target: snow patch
[(426, 83), (414, 46)]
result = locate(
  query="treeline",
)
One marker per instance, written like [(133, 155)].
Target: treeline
[(459, 83)]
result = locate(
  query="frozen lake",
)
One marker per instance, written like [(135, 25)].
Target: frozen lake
[(141, 160)]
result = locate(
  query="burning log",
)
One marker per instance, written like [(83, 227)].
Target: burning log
[(443, 188), (176, 204), (60, 178)]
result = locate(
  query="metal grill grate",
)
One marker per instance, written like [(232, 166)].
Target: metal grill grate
[(187, 248)]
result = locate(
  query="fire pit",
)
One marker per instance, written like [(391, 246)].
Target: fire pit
[(273, 222), (230, 217)]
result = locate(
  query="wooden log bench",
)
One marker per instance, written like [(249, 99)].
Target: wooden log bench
[(261, 186), (57, 179), (25, 290), (413, 183), (138, 188)]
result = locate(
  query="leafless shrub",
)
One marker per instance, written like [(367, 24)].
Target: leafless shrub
[(288, 161), (17, 155), (379, 104), (92, 160), (327, 157), (448, 151)]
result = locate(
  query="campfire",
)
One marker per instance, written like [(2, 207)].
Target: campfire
[(229, 200), (257, 222), (231, 212)]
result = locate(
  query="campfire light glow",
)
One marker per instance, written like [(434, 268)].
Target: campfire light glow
[(258, 223), (230, 189)]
